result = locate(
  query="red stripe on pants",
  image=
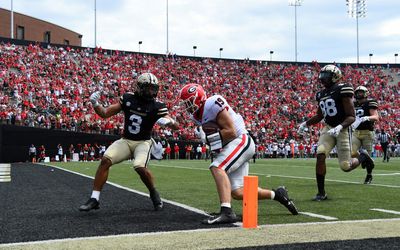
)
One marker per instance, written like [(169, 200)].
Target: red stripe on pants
[(234, 151)]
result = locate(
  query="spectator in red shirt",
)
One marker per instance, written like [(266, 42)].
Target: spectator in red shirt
[(167, 152), (176, 151)]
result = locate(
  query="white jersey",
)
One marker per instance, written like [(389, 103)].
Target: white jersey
[(234, 156), (216, 104)]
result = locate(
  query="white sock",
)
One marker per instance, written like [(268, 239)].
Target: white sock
[(95, 194), (272, 195), (225, 204)]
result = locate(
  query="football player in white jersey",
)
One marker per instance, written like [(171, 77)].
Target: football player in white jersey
[(226, 134)]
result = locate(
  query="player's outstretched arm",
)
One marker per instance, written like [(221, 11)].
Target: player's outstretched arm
[(168, 121), (100, 110), (374, 116), (109, 111), (316, 118)]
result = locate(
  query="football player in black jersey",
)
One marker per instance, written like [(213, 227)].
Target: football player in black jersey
[(141, 111), (335, 107), (366, 116)]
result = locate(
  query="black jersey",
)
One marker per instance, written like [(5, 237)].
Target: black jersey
[(140, 116), (330, 102), (363, 110)]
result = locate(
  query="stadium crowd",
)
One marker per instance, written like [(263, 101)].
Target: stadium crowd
[(50, 88)]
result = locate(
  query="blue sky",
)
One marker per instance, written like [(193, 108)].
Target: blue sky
[(243, 28)]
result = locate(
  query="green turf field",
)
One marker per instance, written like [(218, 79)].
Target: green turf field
[(190, 182)]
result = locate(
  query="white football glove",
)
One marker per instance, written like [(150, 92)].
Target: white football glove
[(94, 99), (335, 131), (163, 121), (356, 123), (198, 131), (364, 119), (302, 128)]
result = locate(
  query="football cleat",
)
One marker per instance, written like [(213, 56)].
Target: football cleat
[(282, 196), (92, 203), (320, 197), (368, 179), (157, 202), (221, 218), (366, 160)]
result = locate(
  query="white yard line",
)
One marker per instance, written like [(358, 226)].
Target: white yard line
[(195, 210), (325, 217), (385, 211), (283, 176), (388, 174)]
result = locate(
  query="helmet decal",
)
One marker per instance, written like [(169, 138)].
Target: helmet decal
[(192, 97)]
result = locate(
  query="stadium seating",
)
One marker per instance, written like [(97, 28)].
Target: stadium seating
[(49, 88)]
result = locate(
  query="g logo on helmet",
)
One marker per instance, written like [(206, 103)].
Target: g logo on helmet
[(193, 97), (192, 89)]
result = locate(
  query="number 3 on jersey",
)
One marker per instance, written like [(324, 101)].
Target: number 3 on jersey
[(359, 112), (328, 107), (134, 127)]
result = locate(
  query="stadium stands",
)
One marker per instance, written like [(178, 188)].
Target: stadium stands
[(49, 87)]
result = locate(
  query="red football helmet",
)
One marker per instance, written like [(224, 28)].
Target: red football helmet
[(192, 97)]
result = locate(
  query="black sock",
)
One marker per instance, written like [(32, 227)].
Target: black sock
[(226, 210), (152, 191), (321, 184)]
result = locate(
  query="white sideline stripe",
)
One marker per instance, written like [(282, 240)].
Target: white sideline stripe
[(5, 172), (385, 211), (285, 176), (388, 174), (134, 191), (325, 217), (194, 230)]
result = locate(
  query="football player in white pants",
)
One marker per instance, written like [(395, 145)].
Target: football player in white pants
[(233, 146)]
